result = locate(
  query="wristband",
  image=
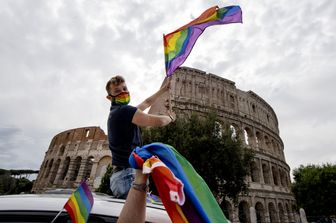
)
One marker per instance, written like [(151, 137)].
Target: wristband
[(140, 187)]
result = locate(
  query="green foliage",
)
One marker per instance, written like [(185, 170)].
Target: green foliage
[(208, 145), (314, 188), (104, 186), (11, 185), (23, 185)]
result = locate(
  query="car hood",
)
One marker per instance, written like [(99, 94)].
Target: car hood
[(103, 205)]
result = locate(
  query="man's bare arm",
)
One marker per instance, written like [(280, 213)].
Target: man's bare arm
[(151, 100), (142, 119), (134, 210)]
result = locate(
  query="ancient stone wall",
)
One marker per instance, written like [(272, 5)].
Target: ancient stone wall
[(72, 156), (254, 121)]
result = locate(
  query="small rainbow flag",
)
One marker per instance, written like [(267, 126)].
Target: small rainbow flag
[(80, 204), (178, 44)]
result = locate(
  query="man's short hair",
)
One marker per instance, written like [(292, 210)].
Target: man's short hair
[(115, 81)]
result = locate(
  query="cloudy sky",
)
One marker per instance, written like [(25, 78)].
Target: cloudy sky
[(56, 56)]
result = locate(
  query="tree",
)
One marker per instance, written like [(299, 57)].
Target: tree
[(7, 183), (12, 185), (314, 188), (23, 185), (208, 144)]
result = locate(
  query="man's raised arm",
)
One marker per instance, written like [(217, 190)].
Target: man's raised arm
[(151, 100)]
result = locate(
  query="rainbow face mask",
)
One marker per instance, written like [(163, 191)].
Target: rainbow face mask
[(121, 99)]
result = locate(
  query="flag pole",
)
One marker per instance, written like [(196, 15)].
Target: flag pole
[(168, 77), (57, 215)]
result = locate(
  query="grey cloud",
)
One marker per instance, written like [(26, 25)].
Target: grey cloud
[(19, 150), (56, 57)]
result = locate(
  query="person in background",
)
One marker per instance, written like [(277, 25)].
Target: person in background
[(123, 130)]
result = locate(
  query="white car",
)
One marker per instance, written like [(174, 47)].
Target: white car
[(44, 207)]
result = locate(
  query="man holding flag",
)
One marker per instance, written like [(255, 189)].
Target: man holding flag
[(123, 130)]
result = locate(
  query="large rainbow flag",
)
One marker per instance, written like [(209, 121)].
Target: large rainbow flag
[(185, 195), (178, 44), (80, 204)]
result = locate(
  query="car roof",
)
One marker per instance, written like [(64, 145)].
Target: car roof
[(103, 205)]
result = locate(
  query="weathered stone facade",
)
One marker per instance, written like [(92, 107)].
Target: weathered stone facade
[(255, 122), (74, 155), (83, 152)]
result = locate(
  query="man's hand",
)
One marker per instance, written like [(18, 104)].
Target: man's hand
[(140, 178), (166, 85), (151, 100)]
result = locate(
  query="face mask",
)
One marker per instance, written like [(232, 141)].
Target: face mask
[(121, 99)]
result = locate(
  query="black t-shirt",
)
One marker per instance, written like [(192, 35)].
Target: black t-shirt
[(123, 135)]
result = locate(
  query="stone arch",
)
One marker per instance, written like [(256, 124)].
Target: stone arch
[(266, 173), (75, 168), (255, 172), (54, 171), (248, 135), (45, 167), (283, 178), (88, 167), (279, 148), (253, 107), (259, 139), (273, 148), (65, 168), (267, 144), (272, 212), (87, 133), (102, 165), (280, 177), (49, 168), (183, 87), (233, 129), (276, 148), (232, 101), (61, 151), (227, 209), (275, 175), (260, 212), (289, 214), (101, 169), (243, 212), (190, 87), (218, 130), (281, 213)]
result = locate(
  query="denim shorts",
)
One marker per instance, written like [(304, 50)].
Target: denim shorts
[(121, 181)]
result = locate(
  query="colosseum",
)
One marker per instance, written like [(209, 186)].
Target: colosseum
[(83, 152), (72, 156)]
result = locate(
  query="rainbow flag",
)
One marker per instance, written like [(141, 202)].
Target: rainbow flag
[(185, 195), (178, 44), (80, 204)]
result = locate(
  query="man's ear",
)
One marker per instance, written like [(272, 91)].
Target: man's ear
[(109, 97)]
